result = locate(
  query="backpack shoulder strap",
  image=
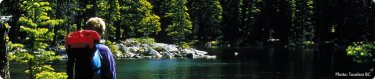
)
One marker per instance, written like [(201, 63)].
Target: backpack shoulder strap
[(97, 63), (99, 51)]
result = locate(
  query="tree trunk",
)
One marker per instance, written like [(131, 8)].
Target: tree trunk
[(118, 30), (54, 41), (4, 64), (78, 22), (95, 9)]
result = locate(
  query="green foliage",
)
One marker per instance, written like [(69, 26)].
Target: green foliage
[(43, 57), (130, 42), (308, 42), (302, 29), (213, 43), (51, 75), (255, 9), (139, 19), (116, 9), (181, 25), (110, 11), (47, 73), (144, 40), (206, 16), (112, 47), (14, 47), (231, 21), (362, 52), (38, 38), (309, 31), (184, 45), (149, 24), (138, 41), (43, 68), (52, 22), (35, 24), (27, 22), (20, 56), (39, 58)]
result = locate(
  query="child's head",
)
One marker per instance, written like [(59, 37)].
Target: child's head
[(96, 24)]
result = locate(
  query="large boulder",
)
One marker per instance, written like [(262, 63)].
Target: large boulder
[(188, 51), (167, 54), (166, 47), (191, 53), (171, 48), (158, 45), (130, 54), (131, 49), (152, 52), (121, 51), (194, 53), (200, 52)]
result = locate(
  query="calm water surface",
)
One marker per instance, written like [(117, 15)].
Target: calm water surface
[(250, 63)]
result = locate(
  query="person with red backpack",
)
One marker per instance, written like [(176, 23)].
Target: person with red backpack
[(87, 58)]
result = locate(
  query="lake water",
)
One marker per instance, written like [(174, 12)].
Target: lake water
[(250, 63)]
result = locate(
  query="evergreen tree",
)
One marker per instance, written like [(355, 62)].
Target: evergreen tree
[(231, 21), (114, 18), (149, 22), (302, 29), (180, 25), (36, 26), (250, 15), (206, 17), (139, 21), (129, 17), (161, 8)]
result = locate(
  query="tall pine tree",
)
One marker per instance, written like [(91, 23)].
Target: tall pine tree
[(180, 25)]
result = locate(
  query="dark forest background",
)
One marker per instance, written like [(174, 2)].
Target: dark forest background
[(39, 25), (234, 22)]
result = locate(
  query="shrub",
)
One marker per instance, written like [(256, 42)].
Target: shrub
[(361, 52), (112, 47), (185, 45), (145, 40)]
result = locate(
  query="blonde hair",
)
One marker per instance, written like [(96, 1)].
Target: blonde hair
[(96, 24)]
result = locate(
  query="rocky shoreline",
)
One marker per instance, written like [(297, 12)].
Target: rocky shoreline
[(131, 49)]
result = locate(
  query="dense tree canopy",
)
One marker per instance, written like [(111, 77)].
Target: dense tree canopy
[(206, 16), (229, 22), (235, 22), (41, 24)]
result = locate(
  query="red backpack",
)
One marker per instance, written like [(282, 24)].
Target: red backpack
[(84, 59), (82, 39)]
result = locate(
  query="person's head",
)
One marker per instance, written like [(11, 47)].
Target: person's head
[(96, 24)]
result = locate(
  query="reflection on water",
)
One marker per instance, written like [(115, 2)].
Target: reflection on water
[(169, 69), (270, 63), (250, 63)]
